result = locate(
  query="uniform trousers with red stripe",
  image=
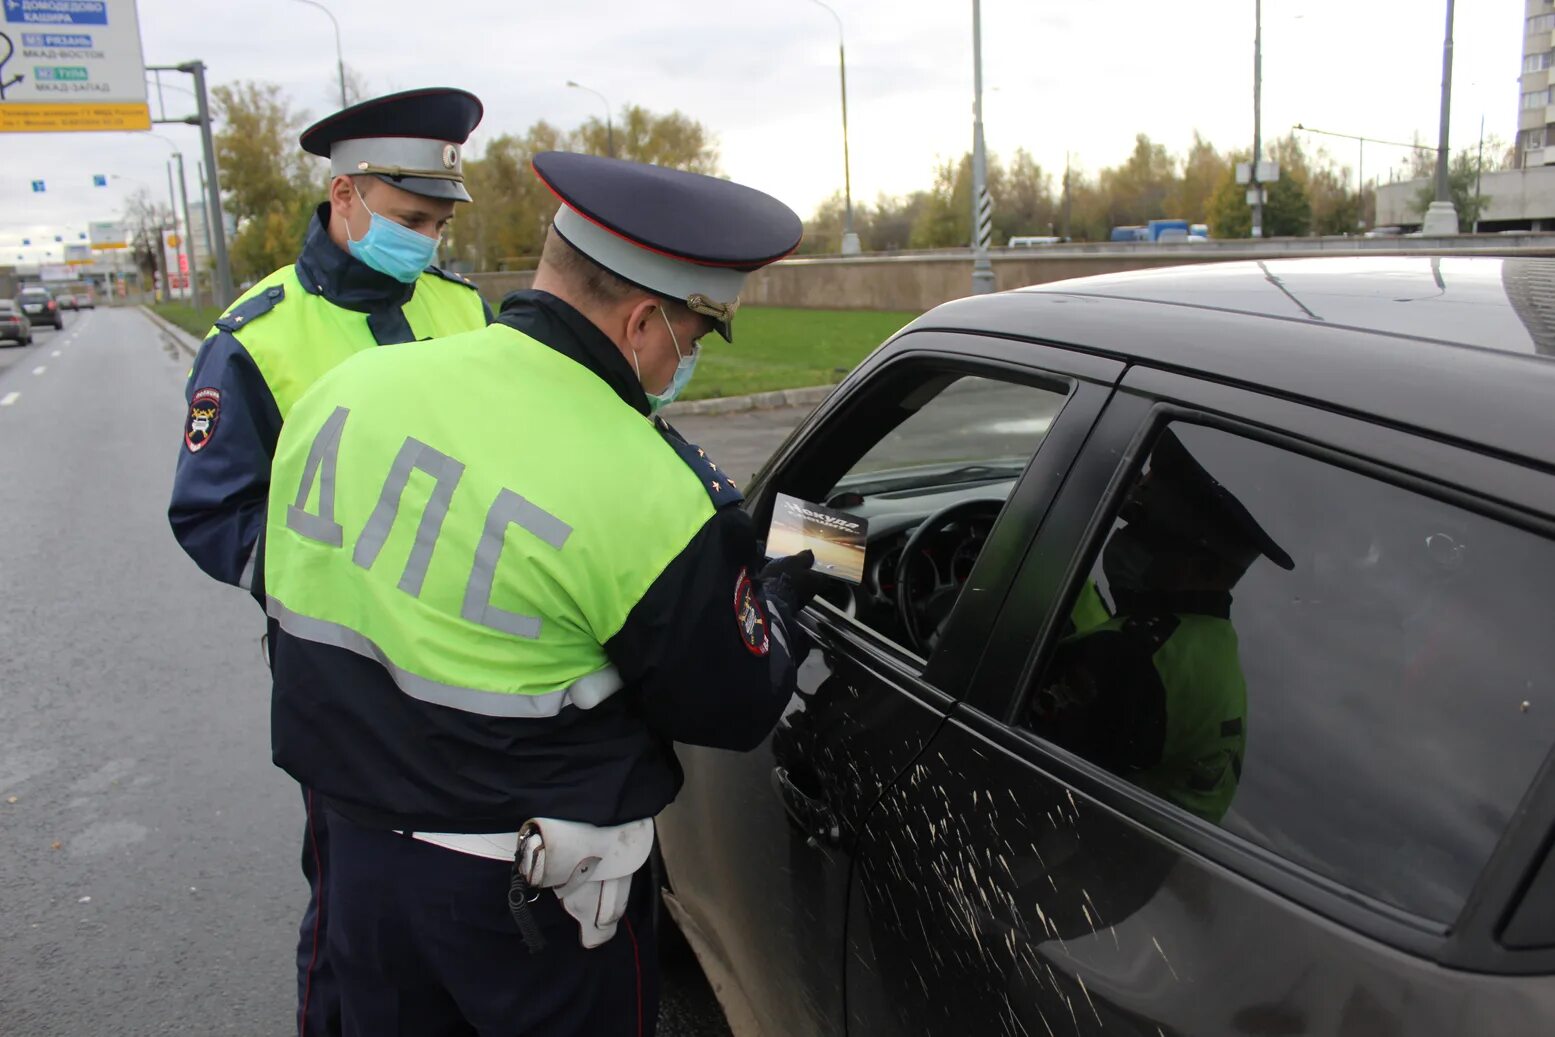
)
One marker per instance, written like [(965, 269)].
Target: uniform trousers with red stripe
[(422, 942)]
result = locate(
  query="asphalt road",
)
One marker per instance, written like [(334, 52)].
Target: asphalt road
[(148, 876)]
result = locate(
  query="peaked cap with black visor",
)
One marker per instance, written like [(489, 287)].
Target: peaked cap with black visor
[(413, 140), (678, 235)]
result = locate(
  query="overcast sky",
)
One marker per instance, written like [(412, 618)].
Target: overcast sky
[(1059, 75)]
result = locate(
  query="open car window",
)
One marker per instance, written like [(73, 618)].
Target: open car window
[(947, 451)]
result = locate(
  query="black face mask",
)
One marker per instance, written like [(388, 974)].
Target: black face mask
[(1126, 561)]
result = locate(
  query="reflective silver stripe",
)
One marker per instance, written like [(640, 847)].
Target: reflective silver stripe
[(584, 693), (447, 471), (322, 457), (509, 509), (246, 577)]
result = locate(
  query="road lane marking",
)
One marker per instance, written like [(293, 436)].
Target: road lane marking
[(9, 398), (55, 353), (39, 369)]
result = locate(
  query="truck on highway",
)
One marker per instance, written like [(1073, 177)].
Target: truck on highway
[(1162, 230)]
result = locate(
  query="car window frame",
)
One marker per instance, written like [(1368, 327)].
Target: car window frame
[(1487, 485), (1090, 380)]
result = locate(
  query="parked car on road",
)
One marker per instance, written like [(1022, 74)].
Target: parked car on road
[(41, 307), (1199, 681), (14, 325)]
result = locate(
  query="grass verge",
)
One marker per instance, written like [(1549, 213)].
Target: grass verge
[(195, 321), (773, 348), (789, 349)]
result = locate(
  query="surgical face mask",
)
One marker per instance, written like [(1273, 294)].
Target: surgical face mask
[(1126, 561), (392, 249), (683, 371)]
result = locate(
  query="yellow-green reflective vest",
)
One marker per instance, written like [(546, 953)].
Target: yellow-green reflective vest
[(307, 335), (1206, 715), (479, 515)]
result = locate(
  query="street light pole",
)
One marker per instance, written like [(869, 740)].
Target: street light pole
[(610, 133), (850, 242), (1441, 218), (187, 238), (194, 264), (340, 61), (172, 210), (982, 269)]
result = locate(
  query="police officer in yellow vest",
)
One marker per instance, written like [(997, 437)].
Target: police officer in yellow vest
[(502, 589), (1154, 691), (364, 278)]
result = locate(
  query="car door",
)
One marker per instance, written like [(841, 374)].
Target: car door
[(758, 847), (1384, 807)]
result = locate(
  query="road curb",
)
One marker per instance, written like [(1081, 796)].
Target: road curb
[(181, 338), (806, 397)]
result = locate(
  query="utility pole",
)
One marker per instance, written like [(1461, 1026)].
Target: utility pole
[(1254, 186), (1441, 218), (982, 205)]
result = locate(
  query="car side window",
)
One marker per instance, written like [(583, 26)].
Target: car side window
[(1355, 676), (952, 441)]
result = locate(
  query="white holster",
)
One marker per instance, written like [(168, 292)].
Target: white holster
[(589, 869)]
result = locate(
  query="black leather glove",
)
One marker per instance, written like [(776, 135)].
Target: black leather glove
[(792, 581)]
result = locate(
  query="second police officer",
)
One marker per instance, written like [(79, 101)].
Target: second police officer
[(503, 588), (364, 278)]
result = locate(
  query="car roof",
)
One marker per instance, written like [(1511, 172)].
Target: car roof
[(1460, 347)]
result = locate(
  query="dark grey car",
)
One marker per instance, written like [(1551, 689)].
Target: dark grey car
[(41, 307), (1201, 680)]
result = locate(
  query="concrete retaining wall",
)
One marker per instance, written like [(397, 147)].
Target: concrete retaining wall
[(920, 281)]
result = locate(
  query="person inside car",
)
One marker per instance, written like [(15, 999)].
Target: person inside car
[(1156, 693)]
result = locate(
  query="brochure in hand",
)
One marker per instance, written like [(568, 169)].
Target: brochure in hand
[(836, 537)]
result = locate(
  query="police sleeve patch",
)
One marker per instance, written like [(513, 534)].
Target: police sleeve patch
[(749, 618), (204, 414)]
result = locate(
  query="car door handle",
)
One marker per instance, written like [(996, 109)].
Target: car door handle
[(814, 818)]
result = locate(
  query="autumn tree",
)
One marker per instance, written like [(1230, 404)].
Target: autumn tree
[(506, 224), (1462, 181), (1287, 213), (269, 185), (1202, 170), (1023, 200), (673, 140), (144, 221), (1137, 191)]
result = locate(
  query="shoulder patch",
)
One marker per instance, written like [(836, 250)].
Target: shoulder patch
[(448, 276), (749, 619), (715, 480), (250, 310), (204, 416)]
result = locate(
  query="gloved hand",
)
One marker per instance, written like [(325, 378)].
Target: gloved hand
[(792, 580)]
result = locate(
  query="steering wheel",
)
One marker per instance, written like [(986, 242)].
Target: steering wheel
[(935, 610)]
